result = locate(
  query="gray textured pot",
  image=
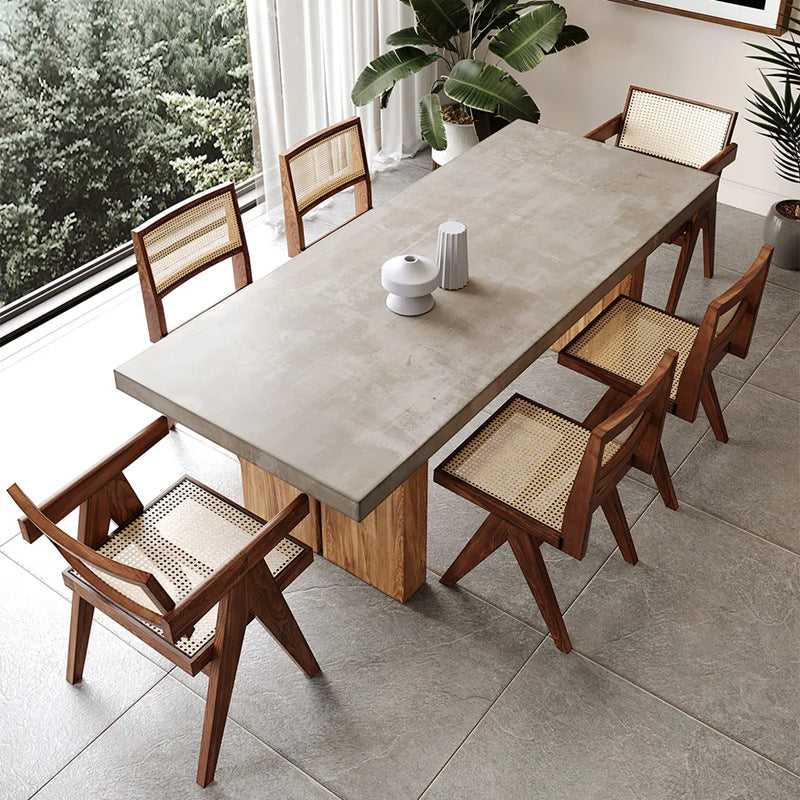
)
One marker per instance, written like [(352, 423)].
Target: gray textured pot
[(784, 234)]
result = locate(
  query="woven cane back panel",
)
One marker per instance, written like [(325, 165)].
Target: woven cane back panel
[(527, 457), (675, 130), (191, 240), (182, 539), (629, 339), (325, 166)]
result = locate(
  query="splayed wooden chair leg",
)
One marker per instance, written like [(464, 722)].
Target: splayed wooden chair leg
[(491, 534), (615, 515), (710, 401), (529, 557), (80, 628)]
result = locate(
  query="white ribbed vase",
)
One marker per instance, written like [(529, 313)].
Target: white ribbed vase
[(451, 255)]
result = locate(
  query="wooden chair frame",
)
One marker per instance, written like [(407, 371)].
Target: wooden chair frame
[(705, 220), (243, 588), (295, 231), (696, 384), (595, 485), (152, 297)]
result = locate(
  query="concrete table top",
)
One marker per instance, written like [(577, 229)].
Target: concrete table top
[(309, 376)]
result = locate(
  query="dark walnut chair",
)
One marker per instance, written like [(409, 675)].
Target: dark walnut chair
[(186, 574), (686, 132), (541, 475), (620, 347), (318, 168), (183, 241)]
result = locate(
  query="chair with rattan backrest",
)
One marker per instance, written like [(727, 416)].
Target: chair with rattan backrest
[(183, 241), (619, 347), (318, 168), (684, 132), (541, 475), (185, 574)]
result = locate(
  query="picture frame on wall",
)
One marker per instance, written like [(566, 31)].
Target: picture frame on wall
[(766, 16)]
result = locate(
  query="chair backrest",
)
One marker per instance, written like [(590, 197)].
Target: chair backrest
[(727, 327), (183, 241), (631, 432), (135, 590), (674, 128), (319, 167)]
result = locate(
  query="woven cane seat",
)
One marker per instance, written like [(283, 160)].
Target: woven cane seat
[(628, 339), (527, 457), (192, 239), (333, 163), (674, 129), (182, 538)]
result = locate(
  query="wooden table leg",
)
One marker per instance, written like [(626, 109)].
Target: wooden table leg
[(631, 285), (388, 549), (266, 495)]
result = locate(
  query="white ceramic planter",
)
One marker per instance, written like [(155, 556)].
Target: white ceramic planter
[(409, 280), (459, 139), (784, 234)]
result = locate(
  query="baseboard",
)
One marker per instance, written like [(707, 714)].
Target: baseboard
[(749, 198)]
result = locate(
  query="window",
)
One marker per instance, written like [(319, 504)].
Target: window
[(111, 111)]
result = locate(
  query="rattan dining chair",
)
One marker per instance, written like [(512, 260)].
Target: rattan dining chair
[(318, 168), (541, 475), (183, 241), (620, 346), (186, 574), (686, 132)]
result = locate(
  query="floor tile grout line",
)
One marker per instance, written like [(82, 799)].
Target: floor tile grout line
[(271, 748), (98, 620), (95, 738), (682, 711), (771, 391), (482, 717)]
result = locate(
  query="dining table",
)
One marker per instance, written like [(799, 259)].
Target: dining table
[(319, 388)]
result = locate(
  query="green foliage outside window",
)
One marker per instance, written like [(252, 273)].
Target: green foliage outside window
[(110, 111)]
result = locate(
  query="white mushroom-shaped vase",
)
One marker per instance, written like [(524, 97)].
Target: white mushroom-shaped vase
[(410, 280)]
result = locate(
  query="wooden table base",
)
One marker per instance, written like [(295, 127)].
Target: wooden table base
[(631, 285), (388, 549)]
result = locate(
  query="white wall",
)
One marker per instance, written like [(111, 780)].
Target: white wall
[(578, 89)]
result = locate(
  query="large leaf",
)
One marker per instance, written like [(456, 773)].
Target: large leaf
[(411, 36), (526, 41), (431, 122), (569, 37), (489, 88), (381, 74), (441, 19)]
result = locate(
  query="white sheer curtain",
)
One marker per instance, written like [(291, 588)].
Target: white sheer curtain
[(306, 56)]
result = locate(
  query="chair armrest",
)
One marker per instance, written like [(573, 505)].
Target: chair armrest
[(606, 130), (205, 596), (66, 500), (721, 160)]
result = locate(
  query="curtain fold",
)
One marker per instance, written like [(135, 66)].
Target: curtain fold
[(306, 56)]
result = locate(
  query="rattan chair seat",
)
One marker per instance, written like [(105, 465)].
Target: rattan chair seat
[(527, 457), (629, 338), (182, 538)]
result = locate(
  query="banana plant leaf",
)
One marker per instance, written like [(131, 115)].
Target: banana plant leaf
[(441, 19), (415, 38), (485, 87), (525, 42), (431, 122), (380, 75)]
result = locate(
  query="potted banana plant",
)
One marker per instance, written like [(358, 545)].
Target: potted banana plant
[(776, 114), (462, 35)]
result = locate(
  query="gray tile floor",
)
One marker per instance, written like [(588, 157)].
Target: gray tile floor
[(685, 680)]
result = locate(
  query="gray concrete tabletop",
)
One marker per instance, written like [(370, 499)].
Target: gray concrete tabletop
[(307, 374)]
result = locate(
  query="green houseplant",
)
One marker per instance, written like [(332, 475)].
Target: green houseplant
[(776, 114), (463, 35)]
